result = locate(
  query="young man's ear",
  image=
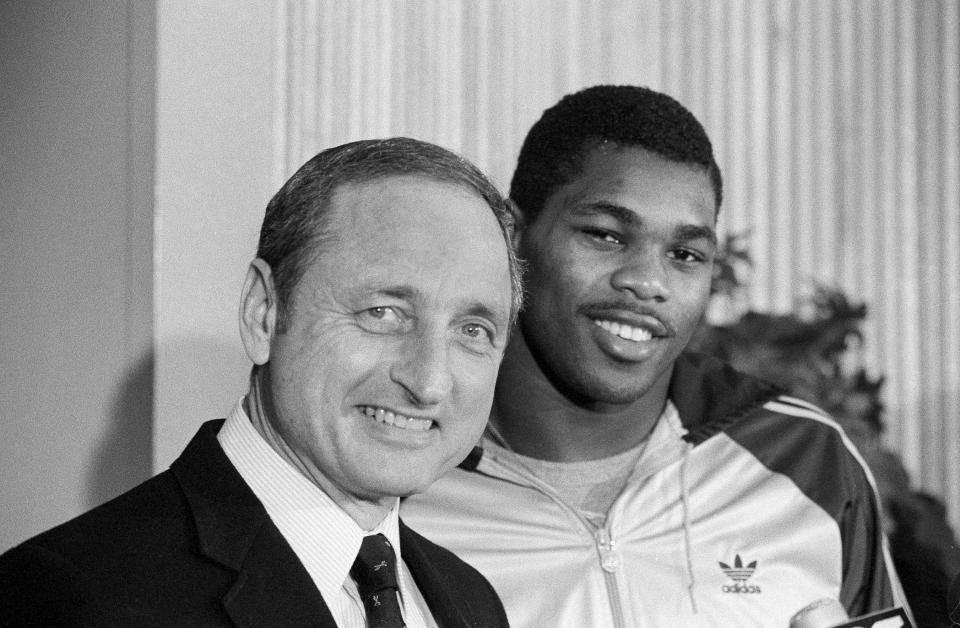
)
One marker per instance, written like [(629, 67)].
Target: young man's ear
[(258, 311)]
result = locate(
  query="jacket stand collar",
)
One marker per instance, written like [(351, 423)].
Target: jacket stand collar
[(710, 395)]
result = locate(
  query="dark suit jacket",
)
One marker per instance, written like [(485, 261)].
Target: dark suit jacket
[(193, 546)]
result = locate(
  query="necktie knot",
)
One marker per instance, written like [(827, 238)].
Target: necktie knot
[(375, 572)]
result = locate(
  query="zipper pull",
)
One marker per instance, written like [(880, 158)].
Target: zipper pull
[(609, 558)]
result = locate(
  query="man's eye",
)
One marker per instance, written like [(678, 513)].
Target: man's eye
[(602, 235), (476, 332), (686, 255), (382, 319), (382, 312)]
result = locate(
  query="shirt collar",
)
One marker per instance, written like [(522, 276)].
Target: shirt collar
[(323, 536)]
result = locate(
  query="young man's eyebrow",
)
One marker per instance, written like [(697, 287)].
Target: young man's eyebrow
[(617, 212), (696, 232), (630, 218)]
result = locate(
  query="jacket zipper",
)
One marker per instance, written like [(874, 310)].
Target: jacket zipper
[(609, 560), (610, 563)]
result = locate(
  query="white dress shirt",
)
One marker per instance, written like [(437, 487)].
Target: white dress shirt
[(324, 537)]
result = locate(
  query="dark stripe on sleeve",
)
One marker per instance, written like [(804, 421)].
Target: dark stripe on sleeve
[(813, 455)]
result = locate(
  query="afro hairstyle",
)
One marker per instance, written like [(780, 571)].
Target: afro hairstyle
[(627, 115)]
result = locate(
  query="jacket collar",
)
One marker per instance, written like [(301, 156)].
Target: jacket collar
[(234, 530), (710, 394), (436, 588)]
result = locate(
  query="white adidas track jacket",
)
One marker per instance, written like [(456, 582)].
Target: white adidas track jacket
[(741, 513)]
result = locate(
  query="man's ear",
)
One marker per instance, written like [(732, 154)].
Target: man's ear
[(258, 311), (518, 222)]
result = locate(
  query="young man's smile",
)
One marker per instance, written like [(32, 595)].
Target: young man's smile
[(628, 336)]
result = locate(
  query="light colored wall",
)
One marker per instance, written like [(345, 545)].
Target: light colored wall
[(75, 246), (213, 181)]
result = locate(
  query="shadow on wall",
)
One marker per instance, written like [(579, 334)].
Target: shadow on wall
[(208, 375), (198, 379), (123, 458)]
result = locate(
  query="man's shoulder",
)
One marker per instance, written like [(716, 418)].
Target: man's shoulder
[(785, 423), (82, 568), (146, 515), (788, 435), (799, 440), (140, 514), (710, 394), (126, 557)]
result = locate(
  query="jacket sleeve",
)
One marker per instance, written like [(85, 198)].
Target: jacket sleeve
[(801, 442), (39, 587), (870, 581)]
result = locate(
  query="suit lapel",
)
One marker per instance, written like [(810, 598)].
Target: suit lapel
[(233, 529), (273, 588), (436, 589)]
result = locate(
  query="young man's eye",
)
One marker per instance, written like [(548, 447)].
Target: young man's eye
[(686, 255), (602, 235)]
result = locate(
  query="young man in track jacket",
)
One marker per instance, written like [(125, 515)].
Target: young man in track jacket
[(621, 481)]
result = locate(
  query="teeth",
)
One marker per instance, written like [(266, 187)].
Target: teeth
[(397, 420), (636, 334)]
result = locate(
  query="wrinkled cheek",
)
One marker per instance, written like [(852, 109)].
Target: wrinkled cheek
[(474, 390)]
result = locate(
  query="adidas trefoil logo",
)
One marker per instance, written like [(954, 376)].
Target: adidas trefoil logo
[(739, 573)]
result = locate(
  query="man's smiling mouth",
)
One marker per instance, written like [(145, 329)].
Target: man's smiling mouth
[(622, 330), (401, 421)]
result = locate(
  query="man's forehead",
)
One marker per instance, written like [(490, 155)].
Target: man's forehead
[(627, 183), (394, 182), (411, 235), (380, 203), (613, 167)]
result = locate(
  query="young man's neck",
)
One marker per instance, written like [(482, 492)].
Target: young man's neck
[(535, 419)]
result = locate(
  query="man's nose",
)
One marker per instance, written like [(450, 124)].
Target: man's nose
[(646, 277), (423, 369)]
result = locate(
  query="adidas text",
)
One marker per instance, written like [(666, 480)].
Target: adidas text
[(741, 588)]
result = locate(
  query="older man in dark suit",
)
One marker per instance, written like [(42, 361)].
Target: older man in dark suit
[(376, 314)]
